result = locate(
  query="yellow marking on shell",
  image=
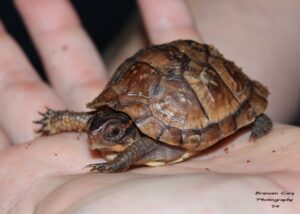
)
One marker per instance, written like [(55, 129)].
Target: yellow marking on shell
[(182, 99), (169, 115), (139, 94), (145, 75), (206, 79)]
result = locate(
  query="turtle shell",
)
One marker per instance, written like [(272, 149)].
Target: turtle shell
[(184, 93)]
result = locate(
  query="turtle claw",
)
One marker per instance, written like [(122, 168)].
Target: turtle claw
[(46, 122), (100, 167), (37, 121)]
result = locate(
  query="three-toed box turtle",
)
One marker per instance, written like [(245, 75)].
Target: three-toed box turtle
[(164, 104)]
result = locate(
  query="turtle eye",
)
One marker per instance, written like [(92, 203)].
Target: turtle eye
[(114, 130)]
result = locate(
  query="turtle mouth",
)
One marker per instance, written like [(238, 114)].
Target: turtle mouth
[(106, 147), (97, 143)]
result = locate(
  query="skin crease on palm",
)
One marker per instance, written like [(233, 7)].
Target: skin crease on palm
[(47, 174)]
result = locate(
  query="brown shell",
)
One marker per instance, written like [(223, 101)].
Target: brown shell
[(184, 93)]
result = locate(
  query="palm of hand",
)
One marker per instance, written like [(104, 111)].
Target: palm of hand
[(47, 175), (50, 173)]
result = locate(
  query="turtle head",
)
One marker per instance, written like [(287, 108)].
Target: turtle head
[(111, 132)]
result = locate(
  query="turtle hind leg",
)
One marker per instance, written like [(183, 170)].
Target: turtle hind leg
[(54, 122), (261, 126)]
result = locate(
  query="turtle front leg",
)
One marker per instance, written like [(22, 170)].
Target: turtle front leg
[(261, 126), (54, 122), (126, 158)]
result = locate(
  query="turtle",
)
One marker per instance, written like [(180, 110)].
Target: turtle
[(165, 104)]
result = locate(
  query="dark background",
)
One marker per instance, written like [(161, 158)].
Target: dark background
[(103, 20)]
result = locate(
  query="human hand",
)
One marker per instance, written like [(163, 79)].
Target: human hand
[(46, 175)]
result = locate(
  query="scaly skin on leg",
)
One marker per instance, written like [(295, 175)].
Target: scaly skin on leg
[(54, 122), (126, 158), (261, 126)]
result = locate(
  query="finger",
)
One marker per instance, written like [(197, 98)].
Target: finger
[(22, 93), (70, 58), (168, 20)]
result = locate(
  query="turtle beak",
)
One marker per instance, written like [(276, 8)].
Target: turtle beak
[(106, 147), (98, 143)]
